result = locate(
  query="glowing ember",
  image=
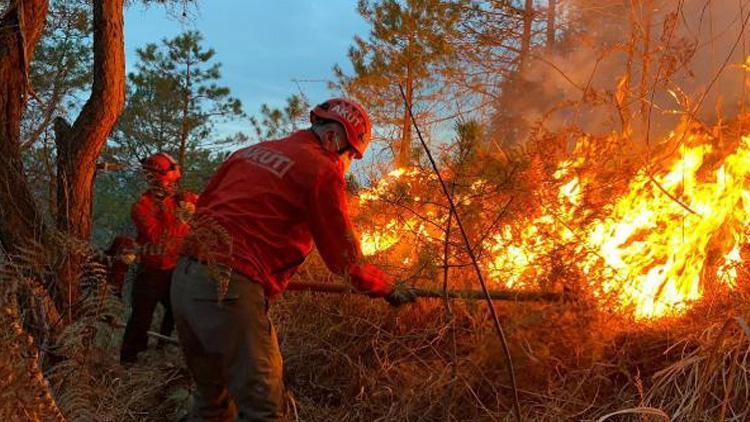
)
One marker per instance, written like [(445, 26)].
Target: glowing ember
[(373, 241), (517, 249), (382, 186), (382, 237)]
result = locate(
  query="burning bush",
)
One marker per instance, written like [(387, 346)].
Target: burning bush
[(652, 236)]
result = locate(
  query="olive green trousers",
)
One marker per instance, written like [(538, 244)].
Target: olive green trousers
[(230, 346)]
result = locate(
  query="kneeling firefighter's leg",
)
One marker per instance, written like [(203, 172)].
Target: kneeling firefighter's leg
[(195, 314), (255, 369)]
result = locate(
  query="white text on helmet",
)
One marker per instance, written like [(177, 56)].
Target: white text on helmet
[(348, 113)]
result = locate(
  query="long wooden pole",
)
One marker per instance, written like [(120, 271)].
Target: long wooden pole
[(510, 295)]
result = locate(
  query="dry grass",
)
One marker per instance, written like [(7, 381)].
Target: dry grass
[(70, 371), (352, 358)]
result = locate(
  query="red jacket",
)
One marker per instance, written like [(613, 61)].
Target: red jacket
[(274, 199), (160, 231), (117, 269)]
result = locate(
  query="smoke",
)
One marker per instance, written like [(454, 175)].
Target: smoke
[(696, 51)]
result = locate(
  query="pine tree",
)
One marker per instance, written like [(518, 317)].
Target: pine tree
[(276, 122), (174, 101), (409, 46)]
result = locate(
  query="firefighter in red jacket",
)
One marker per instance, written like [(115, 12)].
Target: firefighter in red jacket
[(274, 200), (160, 216)]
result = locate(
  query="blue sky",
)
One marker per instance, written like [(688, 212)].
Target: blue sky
[(262, 45)]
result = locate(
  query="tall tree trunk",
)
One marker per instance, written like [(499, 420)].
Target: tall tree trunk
[(528, 21), (551, 23), (79, 146), (185, 111), (21, 27), (403, 159)]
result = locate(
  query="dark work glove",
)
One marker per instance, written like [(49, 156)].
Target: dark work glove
[(402, 294)]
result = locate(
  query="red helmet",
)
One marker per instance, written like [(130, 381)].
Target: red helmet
[(162, 167), (352, 116)]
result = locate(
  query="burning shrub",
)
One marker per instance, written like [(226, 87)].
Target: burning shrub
[(653, 237)]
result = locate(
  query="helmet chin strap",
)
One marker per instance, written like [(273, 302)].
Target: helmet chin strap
[(341, 152), (339, 149), (346, 161)]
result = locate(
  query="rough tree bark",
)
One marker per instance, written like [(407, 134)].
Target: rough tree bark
[(79, 145), (21, 27)]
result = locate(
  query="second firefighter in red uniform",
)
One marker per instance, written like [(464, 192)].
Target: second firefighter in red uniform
[(160, 217)]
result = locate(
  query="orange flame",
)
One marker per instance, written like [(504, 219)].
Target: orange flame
[(660, 247), (656, 248)]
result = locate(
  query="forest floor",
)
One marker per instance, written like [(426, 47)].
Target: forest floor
[(354, 359)]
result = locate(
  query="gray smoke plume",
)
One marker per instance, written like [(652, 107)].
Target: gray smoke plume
[(696, 53)]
